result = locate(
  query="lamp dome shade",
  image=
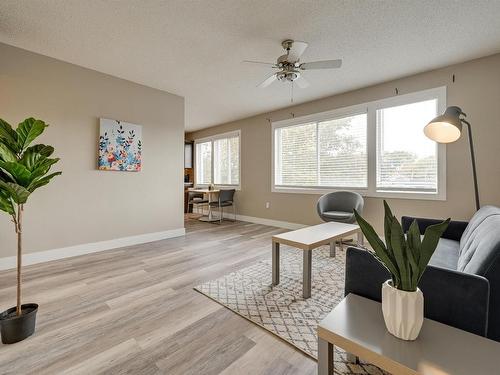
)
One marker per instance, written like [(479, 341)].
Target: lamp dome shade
[(445, 128)]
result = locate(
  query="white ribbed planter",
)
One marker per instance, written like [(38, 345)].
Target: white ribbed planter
[(403, 311)]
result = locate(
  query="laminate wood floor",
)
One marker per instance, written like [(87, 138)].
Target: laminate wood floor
[(133, 311)]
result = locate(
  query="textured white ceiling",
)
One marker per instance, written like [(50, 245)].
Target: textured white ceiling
[(194, 48)]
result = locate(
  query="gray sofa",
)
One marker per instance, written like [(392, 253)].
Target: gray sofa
[(461, 285)]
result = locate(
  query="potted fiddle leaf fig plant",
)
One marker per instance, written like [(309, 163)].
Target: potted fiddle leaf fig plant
[(405, 257), (23, 169)]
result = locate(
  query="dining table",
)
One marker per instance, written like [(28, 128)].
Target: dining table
[(212, 195)]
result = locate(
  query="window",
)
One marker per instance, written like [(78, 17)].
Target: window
[(203, 163), (218, 160), (329, 153), (297, 155), (378, 149), (406, 158), (343, 160)]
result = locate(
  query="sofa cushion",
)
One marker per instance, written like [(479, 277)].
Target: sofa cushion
[(480, 242), (446, 254)]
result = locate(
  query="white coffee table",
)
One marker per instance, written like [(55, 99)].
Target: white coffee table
[(307, 239)]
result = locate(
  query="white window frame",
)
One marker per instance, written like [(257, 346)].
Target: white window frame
[(211, 139), (370, 109)]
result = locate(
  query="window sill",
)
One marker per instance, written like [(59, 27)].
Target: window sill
[(363, 192)]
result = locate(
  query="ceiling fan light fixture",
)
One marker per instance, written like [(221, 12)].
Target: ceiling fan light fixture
[(292, 76), (289, 66)]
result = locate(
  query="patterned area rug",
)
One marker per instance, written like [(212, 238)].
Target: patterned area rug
[(281, 309)]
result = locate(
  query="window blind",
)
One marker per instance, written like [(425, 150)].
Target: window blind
[(342, 152), (322, 154), (227, 161), (296, 157), (204, 163)]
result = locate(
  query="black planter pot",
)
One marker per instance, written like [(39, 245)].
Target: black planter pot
[(16, 328)]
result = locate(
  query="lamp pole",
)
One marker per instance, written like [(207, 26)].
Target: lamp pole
[(473, 159)]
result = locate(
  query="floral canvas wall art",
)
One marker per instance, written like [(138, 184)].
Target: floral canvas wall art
[(120, 146)]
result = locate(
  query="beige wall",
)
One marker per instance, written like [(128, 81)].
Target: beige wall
[(476, 89), (86, 205)]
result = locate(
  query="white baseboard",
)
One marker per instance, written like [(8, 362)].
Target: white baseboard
[(260, 220), (94, 247)]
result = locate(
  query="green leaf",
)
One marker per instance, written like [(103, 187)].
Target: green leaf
[(42, 181), (432, 235), (27, 131), (414, 241), (377, 244), (413, 254), (388, 219), (414, 271), (387, 209), (6, 153), (42, 167), (30, 159), (18, 193), (398, 244), (18, 172), (44, 150), (36, 154), (8, 134), (6, 203)]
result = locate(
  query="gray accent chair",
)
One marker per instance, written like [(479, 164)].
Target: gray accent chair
[(226, 199), (339, 206)]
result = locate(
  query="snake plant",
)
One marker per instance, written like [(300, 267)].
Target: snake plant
[(23, 169), (405, 257)]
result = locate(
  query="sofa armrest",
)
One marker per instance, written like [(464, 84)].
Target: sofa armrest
[(453, 232), (454, 298)]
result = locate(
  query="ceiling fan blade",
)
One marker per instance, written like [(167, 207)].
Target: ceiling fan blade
[(259, 63), (326, 64), (302, 82), (296, 51), (267, 81)]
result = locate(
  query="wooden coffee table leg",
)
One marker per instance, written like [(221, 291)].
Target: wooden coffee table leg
[(276, 263), (306, 273), (361, 238), (332, 249), (325, 357)]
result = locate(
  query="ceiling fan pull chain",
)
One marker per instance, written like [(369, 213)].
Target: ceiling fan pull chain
[(291, 96)]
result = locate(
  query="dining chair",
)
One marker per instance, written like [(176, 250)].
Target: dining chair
[(225, 199), (196, 200)]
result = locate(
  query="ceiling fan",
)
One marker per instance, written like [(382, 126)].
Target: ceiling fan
[(289, 65)]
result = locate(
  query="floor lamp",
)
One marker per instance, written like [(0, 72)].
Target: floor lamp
[(447, 128)]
